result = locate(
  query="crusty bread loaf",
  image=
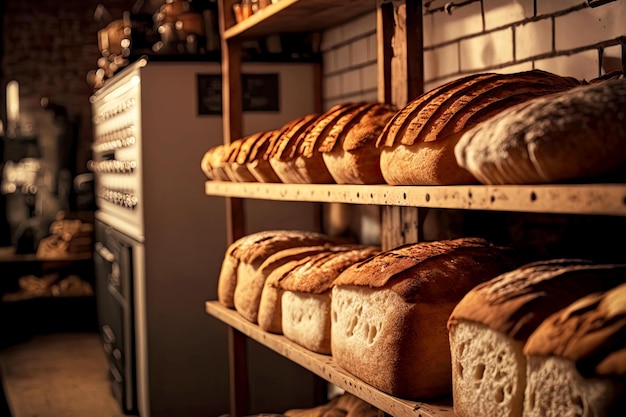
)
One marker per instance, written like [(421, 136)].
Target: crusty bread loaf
[(306, 296), (389, 312), (247, 253), (286, 156), (349, 148), (575, 134), (418, 143), (490, 325), (344, 405), (576, 359), (237, 172), (212, 163), (247, 296), (253, 155)]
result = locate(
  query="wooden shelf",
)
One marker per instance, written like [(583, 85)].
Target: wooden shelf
[(594, 199), (298, 16), (324, 366)]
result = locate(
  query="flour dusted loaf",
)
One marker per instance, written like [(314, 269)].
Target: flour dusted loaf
[(346, 138), (306, 296), (389, 312), (418, 143), (576, 134), (490, 325), (576, 359), (247, 253)]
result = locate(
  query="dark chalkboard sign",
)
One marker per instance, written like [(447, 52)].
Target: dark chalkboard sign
[(260, 93)]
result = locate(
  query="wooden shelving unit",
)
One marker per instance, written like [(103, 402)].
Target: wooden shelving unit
[(324, 366), (400, 205)]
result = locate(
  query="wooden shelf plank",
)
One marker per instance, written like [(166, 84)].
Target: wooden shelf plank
[(299, 16), (593, 199), (324, 366)]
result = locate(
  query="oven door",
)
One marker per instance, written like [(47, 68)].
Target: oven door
[(113, 263)]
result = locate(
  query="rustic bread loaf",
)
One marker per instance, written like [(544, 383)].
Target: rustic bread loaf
[(389, 312), (248, 252), (286, 157), (212, 163), (349, 148), (253, 155), (418, 143), (489, 326), (247, 296), (576, 359), (306, 296), (237, 172), (575, 134), (344, 405)]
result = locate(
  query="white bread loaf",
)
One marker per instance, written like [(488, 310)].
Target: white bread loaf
[(575, 134), (306, 296), (576, 360), (250, 285), (247, 253), (418, 143), (490, 325), (389, 312)]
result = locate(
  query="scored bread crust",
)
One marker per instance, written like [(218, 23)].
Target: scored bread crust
[(351, 155), (578, 133), (418, 143), (389, 312), (253, 249)]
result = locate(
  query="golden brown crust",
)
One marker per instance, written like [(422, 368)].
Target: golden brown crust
[(323, 125), (516, 302), (287, 143), (424, 272)]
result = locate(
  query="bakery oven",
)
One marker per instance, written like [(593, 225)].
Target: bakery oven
[(113, 260)]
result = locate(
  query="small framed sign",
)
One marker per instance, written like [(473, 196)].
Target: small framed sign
[(260, 93)]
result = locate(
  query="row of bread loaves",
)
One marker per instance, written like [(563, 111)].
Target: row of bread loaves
[(547, 339)]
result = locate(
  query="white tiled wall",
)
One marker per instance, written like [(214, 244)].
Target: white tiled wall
[(566, 37)]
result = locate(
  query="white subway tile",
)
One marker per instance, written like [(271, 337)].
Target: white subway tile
[(486, 50), (329, 61), (463, 21), (360, 26), (499, 13), (358, 52), (370, 96), (428, 29), (552, 6), (583, 65), (441, 61), (350, 82), (590, 25), (512, 69), (331, 102), (331, 38), (343, 57), (612, 58), (331, 86), (532, 39), (369, 77), (372, 47)]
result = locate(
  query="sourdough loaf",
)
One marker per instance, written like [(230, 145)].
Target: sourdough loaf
[(247, 296), (389, 312), (344, 405), (253, 155), (237, 172), (575, 134), (349, 147), (576, 359), (489, 326), (306, 296), (247, 253), (212, 163), (418, 143), (286, 157)]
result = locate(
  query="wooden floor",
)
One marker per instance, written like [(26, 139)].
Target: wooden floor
[(57, 375)]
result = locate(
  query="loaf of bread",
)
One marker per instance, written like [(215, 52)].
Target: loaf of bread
[(418, 143), (490, 325), (236, 172), (389, 312), (270, 316), (348, 143), (286, 157), (247, 253), (576, 359), (213, 162), (247, 296), (306, 296), (253, 154), (576, 134), (344, 405)]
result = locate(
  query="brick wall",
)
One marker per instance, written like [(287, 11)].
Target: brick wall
[(567, 37), (49, 47)]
